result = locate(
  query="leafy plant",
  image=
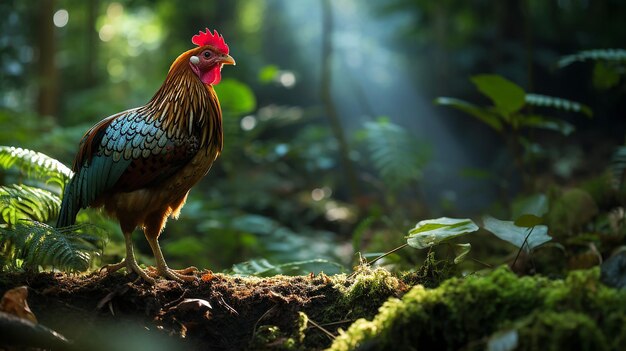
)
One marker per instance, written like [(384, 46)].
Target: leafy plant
[(431, 232), (25, 240), (608, 68), (35, 165), (25, 202), (526, 236), (509, 100), (511, 113), (617, 55), (396, 155), (31, 244)]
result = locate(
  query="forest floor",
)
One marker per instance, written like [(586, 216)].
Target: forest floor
[(369, 309), (215, 312)]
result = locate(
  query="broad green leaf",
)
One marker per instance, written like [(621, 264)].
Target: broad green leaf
[(536, 204), (558, 103), (508, 231), (605, 76), (528, 220), (489, 118), (507, 96), (431, 232), (268, 73), (235, 97), (461, 250)]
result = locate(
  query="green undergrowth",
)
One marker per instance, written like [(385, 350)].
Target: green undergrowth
[(529, 313)]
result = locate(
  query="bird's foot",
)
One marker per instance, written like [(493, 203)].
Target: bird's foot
[(180, 275), (131, 266)]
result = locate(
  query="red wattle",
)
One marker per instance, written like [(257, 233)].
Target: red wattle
[(212, 76)]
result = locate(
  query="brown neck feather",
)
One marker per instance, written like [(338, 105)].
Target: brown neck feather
[(186, 106)]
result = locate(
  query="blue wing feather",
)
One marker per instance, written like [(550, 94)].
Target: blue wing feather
[(110, 148)]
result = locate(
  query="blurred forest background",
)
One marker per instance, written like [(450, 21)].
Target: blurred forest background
[(335, 140)]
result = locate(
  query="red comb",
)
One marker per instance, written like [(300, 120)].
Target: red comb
[(215, 40)]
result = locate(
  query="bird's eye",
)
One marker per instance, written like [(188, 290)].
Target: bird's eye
[(207, 54)]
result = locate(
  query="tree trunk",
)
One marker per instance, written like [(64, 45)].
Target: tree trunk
[(48, 75)]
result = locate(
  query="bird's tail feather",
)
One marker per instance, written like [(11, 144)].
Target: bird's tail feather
[(70, 205)]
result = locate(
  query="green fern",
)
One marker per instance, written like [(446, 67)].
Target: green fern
[(594, 55), (559, 103), (34, 244), (27, 242), (18, 202), (395, 154), (35, 165)]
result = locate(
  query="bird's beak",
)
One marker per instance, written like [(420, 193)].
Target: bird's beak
[(227, 60)]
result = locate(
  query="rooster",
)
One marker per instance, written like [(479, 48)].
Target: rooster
[(141, 163)]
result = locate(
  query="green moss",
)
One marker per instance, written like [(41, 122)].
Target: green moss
[(432, 273), (462, 313), (555, 331), (362, 295), (271, 337)]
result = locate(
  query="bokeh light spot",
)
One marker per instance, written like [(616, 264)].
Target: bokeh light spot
[(248, 122), (60, 18)]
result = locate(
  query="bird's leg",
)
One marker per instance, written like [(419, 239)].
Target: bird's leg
[(129, 261), (162, 268)]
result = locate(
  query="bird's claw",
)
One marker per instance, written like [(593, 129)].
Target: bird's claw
[(131, 266), (110, 268), (179, 275)]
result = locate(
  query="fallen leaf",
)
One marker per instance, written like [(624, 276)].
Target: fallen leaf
[(207, 277), (14, 302)]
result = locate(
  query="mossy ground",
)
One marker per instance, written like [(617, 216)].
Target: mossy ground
[(311, 312), (577, 313)]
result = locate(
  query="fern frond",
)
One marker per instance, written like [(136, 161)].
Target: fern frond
[(18, 202), (558, 103), (395, 154), (70, 248), (594, 55), (35, 164)]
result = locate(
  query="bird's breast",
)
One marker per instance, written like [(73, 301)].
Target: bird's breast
[(168, 197)]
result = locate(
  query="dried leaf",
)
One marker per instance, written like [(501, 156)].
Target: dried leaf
[(14, 302)]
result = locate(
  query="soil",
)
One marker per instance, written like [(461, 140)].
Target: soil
[(216, 312)]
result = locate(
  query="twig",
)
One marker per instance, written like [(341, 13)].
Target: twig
[(522, 247), (481, 262), (228, 307), (381, 257), (254, 329), (337, 322), (387, 254), (324, 330)]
